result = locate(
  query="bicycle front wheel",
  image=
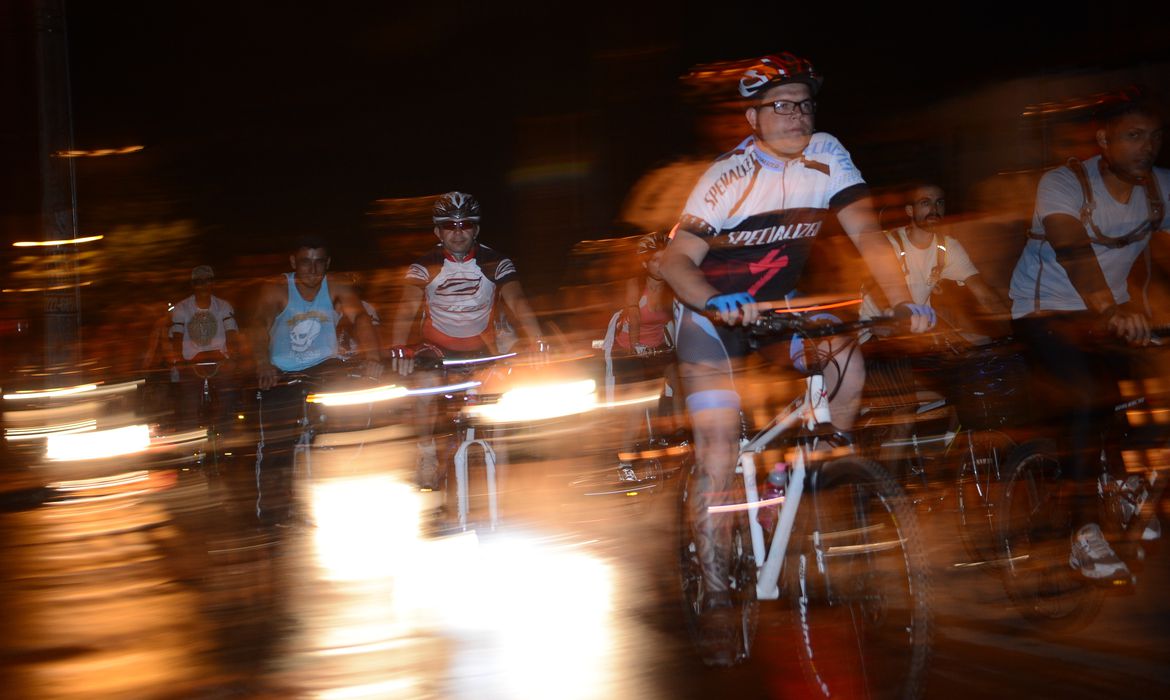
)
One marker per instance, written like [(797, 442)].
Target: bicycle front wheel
[(859, 586), (1035, 520), (982, 458)]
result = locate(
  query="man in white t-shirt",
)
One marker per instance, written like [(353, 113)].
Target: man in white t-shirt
[(928, 256), (205, 339), (1069, 291)]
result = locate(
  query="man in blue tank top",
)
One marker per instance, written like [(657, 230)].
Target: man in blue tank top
[(294, 329)]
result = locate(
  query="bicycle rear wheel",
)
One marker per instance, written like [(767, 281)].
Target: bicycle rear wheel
[(741, 570), (858, 583), (1035, 520)]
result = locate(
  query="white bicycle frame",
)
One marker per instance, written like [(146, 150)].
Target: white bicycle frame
[(811, 409)]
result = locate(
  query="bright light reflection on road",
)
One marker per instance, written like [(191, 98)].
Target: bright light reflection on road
[(525, 616)]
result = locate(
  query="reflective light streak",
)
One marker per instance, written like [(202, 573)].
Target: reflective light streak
[(449, 388), (383, 393), (58, 242), (101, 482), (90, 389), (540, 402), (734, 507), (98, 152), (476, 360), (47, 430), (29, 290), (780, 307), (98, 444), (50, 393), (360, 396)]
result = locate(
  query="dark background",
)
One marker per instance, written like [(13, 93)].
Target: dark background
[(264, 119)]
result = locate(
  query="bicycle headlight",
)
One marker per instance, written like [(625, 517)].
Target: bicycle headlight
[(540, 401)]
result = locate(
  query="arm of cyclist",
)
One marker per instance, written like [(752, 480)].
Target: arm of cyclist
[(405, 314), (633, 313), (269, 304), (513, 296), (680, 269), (1074, 251), (861, 225), (363, 328), (987, 297)]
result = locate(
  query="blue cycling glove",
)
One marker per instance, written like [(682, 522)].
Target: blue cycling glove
[(729, 303), (905, 310)]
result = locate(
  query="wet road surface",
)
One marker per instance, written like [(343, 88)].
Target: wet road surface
[(168, 591)]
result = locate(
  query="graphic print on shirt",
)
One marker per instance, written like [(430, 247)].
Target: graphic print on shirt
[(202, 327), (458, 287), (460, 295), (760, 215), (303, 329)]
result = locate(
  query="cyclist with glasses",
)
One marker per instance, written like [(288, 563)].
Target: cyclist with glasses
[(1092, 222), (455, 285), (743, 239)]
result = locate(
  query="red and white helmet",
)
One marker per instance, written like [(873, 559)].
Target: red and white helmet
[(455, 206), (779, 69)]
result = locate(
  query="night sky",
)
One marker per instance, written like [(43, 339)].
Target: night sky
[(265, 119)]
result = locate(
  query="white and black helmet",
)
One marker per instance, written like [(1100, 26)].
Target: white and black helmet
[(455, 206)]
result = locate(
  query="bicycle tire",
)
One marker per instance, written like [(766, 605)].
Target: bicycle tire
[(858, 582), (982, 465), (1035, 520), (741, 573), (1036, 528)]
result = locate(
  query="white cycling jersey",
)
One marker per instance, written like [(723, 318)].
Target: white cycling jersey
[(760, 214), (460, 295)]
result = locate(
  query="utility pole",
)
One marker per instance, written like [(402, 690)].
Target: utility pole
[(62, 294)]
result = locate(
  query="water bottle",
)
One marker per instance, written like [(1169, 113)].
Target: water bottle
[(773, 488)]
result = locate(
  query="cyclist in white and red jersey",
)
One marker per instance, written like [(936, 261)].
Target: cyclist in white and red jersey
[(743, 239), (456, 285)]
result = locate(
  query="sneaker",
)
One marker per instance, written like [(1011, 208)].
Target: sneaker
[(1153, 530), (626, 473), (428, 466), (1093, 558), (719, 630)]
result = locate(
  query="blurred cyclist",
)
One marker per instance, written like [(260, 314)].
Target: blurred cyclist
[(294, 330), (204, 330), (1092, 221), (928, 256), (646, 339), (456, 285), (743, 238)]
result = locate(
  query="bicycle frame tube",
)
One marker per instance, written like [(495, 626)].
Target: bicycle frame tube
[(811, 409)]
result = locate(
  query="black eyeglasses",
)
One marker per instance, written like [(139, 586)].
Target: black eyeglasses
[(786, 107), (458, 225)]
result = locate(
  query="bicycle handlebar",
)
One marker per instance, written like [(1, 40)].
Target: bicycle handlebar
[(772, 323)]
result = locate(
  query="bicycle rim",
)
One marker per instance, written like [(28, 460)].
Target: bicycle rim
[(982, 458), (741, 573), (1035, 518), (859, 586)]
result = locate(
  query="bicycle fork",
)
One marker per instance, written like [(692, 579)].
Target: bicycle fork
[(489, 462)]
